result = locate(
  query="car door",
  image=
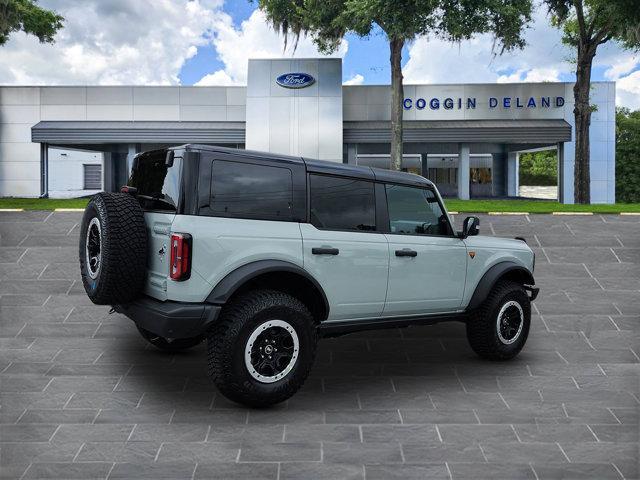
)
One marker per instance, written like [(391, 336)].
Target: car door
[(427, 263), (342, 248)]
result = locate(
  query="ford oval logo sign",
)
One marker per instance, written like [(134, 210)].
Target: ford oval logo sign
[(295, 80)]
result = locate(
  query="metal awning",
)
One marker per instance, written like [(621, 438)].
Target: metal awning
[(477, 131), (436, 131), (59, 132)]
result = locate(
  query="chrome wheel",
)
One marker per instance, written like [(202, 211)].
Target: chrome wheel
[(510, 322), (271, 351), (93, 248)]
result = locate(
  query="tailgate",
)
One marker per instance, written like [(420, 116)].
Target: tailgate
[(159, 232)]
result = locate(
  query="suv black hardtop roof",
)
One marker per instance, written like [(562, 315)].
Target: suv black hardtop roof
[(321, 166)]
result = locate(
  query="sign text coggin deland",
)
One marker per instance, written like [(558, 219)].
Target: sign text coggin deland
[(469, 103)]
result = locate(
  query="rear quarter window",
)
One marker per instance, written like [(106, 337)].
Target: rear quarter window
[(252, 191)]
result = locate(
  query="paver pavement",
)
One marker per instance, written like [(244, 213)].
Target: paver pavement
[(83, 396)]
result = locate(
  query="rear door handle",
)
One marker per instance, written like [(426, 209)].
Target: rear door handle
[(405, 252), (325, 251)]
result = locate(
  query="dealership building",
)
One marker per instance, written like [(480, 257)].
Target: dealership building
[(467, 138)]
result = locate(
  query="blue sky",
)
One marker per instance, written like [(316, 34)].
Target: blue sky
[(365, 56), (206, 60)]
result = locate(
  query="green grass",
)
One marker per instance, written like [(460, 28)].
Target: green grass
[(465, 206), (535, 206), (43, 203)]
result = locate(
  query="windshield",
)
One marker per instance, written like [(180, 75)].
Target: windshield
[(158, 185)]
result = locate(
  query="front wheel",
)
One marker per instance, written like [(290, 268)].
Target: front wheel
[(499, 329), (262, 349)]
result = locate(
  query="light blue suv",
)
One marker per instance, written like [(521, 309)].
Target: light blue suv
[(261, 255)]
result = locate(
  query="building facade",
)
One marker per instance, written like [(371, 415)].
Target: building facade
[(467, 138)]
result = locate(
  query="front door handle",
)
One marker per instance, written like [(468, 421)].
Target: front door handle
[(405, 252), (325, 251)]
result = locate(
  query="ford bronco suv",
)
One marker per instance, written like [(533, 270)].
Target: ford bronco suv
[(260, 255)]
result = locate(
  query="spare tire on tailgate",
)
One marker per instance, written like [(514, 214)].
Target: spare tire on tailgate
[(113, 248)]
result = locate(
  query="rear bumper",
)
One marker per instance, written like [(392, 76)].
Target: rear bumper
[(170, 319)]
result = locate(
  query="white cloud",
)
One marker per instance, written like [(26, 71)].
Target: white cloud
[(625, 63), (143, 42), (531, 75), (115, 42), (217, 78), (357, 79), (432, 60), (628, 91), (545, 58), (253, 39), (624, 68)]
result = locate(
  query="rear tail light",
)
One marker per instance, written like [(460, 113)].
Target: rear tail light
[(180, 266)]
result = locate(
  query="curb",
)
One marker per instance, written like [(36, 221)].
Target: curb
[(69, 210), (508, 213), (11, 209), (630, 214), (571, 213)]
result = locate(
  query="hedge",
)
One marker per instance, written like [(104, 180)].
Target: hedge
[(627, 156)]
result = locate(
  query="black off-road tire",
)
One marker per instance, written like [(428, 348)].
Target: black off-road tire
[(173, 346), (120, 276), (482, 327), (229, 338)]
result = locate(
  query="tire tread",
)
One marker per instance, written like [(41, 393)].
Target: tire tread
[(124, 248), (221, 345), (481, 329)]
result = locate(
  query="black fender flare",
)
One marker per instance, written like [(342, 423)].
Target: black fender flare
[(226, 287), (491, 277)]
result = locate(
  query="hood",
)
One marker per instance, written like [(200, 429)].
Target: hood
[(496, 242)]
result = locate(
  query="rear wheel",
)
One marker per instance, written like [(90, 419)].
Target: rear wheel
[(262, 349), (170, 345), (499, 329)]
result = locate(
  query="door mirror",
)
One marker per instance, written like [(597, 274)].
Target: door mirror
[(470, 227)]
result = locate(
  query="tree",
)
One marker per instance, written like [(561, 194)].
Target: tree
[(327, 21), (587, 24), (627, 156), (539, 168), (27, 16)]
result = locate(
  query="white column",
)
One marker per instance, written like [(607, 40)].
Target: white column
[(513, 163), (463, 171), (561, 174)]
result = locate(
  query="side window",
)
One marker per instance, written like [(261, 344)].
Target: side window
[(342, 203), (244, 190), (415, 211)]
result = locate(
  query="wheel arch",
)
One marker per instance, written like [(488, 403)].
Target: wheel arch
[(500, 271), (274, 274)]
